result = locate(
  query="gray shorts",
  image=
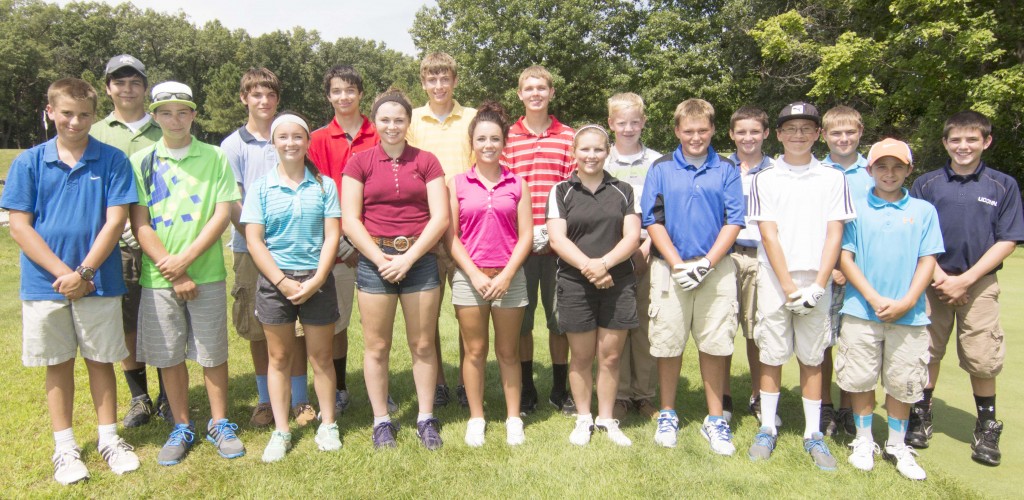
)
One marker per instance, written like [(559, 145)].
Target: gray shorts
[(172, 330), (53, 331)]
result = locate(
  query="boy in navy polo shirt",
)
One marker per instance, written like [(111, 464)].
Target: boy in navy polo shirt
[(692, 207), (980, 216), (888, 257), (68, 200)]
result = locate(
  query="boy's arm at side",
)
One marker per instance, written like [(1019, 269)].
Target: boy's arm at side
[(953, 289), (236, 212), (173, 266), (663, 242), (106, 242), (34, 247), (830, 254), (856, 278), (723, 243), (770, 239), (922, 277)]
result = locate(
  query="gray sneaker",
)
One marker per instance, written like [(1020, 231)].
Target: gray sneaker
[(139, 411), (764, 444), (819, 452), (341, 402), (392, 405), (222, 434), (177, 445)]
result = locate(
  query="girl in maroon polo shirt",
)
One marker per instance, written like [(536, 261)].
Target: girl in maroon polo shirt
[(489, 238), (395, 210)]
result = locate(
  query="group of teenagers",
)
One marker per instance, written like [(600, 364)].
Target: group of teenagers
[(632, 253)]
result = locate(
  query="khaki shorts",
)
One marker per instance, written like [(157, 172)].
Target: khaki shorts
[(53, 331), (708, 313), (779, 333), (464, 294), (898, 352), (745, 260), (979, 338), (131, 268), (345, 290), (243, 312)]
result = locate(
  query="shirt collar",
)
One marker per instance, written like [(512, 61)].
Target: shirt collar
[(617, 158), (91, 153), (506, 174), (861, 162), (877, 202), (709, 162), (274, 177), (161, 149), (334, 128), (765, 162), (520, 127), (408, 154), (247, 136), (951, 175), (574, 178)]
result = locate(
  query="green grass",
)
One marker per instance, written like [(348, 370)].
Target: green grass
[(547, 466), (6, 157)]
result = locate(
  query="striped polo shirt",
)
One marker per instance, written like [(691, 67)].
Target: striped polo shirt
[(541, 160), (293, 218), (448, 140)]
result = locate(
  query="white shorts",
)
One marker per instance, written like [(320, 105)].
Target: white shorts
[(345, 290), (779, 333), (172, 330), (53, 331)]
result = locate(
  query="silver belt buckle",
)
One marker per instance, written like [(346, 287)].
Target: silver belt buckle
[(401, 243)]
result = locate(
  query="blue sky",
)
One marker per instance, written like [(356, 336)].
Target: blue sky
[(386, 21)]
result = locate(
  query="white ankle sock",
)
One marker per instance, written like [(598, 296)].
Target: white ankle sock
[(812, 417), (424, 416), (107, 434), (64, 439), (381, 420)]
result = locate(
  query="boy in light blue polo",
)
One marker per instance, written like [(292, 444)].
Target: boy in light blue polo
[(888, 257)]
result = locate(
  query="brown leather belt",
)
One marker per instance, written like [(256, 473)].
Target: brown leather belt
[(491, 272), (400, 243), (745, 250)]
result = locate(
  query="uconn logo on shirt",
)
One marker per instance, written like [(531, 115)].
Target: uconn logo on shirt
[(987, 201)]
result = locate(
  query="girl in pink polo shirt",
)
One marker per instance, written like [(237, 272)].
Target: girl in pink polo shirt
[(489, 238)]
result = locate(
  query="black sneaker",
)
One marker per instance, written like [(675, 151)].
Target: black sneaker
[(919, 429), (528, 401), (163, 409), (442, 396), (563, 402), (139, 411), (460, 393), (986, 442), (828, 421), (844, 419)]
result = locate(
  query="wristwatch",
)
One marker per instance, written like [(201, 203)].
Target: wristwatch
[(87, 273)]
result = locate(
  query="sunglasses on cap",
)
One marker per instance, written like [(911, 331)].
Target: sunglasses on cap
[(168, 96)]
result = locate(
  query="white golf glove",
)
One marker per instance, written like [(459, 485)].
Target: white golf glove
[(540, 238), (128, 238), (689, 276), (345, 249), (803, 301)]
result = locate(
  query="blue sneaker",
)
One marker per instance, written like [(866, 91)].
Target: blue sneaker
[(177, 445), (819, 452), (429, 432), (668, 426), (764, 444), (222, 434)]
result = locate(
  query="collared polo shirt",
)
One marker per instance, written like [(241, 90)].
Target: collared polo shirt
[(975, 212), (448, 140), (886, 239), (593, 219), (250, 159), (541, 160), (693, 202), (330, 151), (750, 235), (293, 218), (801, 200), (69, 208), (395, 191), (857, 176), (633, 172), (182, 196), (114, 132), (489, 218)]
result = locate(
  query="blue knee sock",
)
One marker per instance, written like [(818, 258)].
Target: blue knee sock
[(299, 394), (261, 389)]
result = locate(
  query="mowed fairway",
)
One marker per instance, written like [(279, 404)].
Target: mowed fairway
[(546, 466)]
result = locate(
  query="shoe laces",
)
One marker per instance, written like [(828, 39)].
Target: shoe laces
[(226, 429), (65, 456), (720, 430), (764, 439), (668, 424), (180, 434), (901, 451), (859, 445), (384, 427), (990, 434), (817, 444), (431, 425)]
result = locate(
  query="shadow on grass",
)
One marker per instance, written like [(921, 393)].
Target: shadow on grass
[(953, 422)]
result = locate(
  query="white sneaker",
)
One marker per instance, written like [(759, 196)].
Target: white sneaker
[(277, 447), (863, 455), (120, 456), (475, 432), (514, 433), (903, 456), (719, 436), (668, 425), (611, 426), (68, 467), (580, 435)]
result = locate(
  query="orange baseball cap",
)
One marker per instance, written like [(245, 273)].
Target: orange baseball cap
[(890, 147)]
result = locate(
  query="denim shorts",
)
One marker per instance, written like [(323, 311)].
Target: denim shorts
[(422, 276)]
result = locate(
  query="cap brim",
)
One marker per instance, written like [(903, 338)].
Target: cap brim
[(190, 104), (814, 118), (111, 71)]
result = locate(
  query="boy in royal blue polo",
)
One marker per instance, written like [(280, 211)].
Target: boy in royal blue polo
[(692, 207), (888, 258), (981, 220), (68, 200)]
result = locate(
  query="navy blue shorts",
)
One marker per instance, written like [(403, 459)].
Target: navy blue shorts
[(422, 276)]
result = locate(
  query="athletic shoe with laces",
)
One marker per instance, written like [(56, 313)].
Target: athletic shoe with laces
[(764, 444), (580, 435), (903, 456), (755, 409), (816, 447), (828, 421), (341, 401), (140, 410), (442, 396), (327, 437), (163, 409), (460, 394), (222, 434), (719, 436), (475, 432), (384, 435), (919, 428), (620, 409), (514, 433), (611, 427), (177, 445), (262, 415), (986, 442), (563, 402), (528, 400), (392, 405), (863, 455), (429, 432), (120, 456), (68, 467), (668, 426), (844, 420), (303, 413), (277, 447), (645, 408)]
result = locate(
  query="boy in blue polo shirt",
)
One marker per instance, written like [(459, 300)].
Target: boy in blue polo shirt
[(888, 257), (68, 200), (981, 220), (692, 207)]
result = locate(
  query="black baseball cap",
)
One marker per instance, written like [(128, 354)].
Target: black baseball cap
[(798, 110)]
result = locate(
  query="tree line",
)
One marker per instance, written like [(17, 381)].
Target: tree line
[(906, 65)]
